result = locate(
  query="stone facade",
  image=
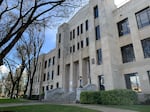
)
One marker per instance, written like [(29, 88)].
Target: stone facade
[(100, 45)]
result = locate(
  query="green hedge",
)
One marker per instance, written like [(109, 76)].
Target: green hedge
[(112, 97)]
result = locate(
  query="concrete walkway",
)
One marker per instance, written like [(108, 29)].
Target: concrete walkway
[(94, 107)]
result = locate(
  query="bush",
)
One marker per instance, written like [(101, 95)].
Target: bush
[(112, 97)]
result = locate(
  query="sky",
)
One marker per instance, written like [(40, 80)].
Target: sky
[(50, 34)]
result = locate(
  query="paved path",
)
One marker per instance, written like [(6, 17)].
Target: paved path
[(94, 107)]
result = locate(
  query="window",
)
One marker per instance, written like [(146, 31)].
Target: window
[(96, 12), (99, 56), (74, 33), (127, 53), (58, 53), (45, 64), (123, 27), (78, 46), (143, 17), (44, 77), (82, 44), (47, 88), (58, 69), (70, 49), (48, 76), (78, 30), (54, 60), (52, 77), (97, 32), (57, 85), (86, 25), (59, 38), (101, 82), (49, 62), (146, 47), (148, 72), (51, 86), (133, 82), (73, 48), (81, 28), (87, 41), (71, 35)]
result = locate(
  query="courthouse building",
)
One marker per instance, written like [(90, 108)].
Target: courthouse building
[(102, 44)]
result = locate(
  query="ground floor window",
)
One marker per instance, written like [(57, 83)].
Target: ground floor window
[(148, 72), (101, 82), (133, 82)]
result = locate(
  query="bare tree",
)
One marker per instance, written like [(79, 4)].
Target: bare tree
[(17, 15)]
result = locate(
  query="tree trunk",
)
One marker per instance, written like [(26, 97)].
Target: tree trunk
[(12, 90), (26, 86), (31, 86)]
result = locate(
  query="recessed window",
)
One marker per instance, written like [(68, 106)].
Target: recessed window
[(96, 12), (49, 62), (57, 85), (71, 35), (78, 30), (59, 38), (70, 49), (58, 69), (143, 17), (97, 32), (78, 46), (127, 53), (47, 88), (54, 60), (146, 47), (148, 72), (45, 64), (99, 56), (86, 25), (81, 28), (44, 77), (59, 53), (133, 82), (52, 77), (48, 76), (123, 27), (73, 48), (87, 41), (51, 86), (74, 33), (82, 44)]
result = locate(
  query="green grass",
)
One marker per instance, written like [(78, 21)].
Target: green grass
[(139, 108), (46, 108), (4, 101)]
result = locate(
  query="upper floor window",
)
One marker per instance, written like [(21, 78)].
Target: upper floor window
[(97, 32), (44, 77), (59, 53), (96, 12), (123, 27), (127, 53), (59, 38), (58, 69), (71, 35), (143, 17), (54, 60), (74, 33), (78, 30), (86, 25), (57, 85), (99, 56), (73, 48), (146, 47), (52, 77), (70, 49), (45, 64), (82, 44), (49, 62), (81, 28), (48, 76), (148, 72), (78, 46), (87, 41)]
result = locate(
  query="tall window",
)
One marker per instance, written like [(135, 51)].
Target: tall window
[(87, 41), (148, 72), (78, 30), (101, 82), (71, 35), (143, 17), (45, 64), (146, 47), (82, 44), (86, 25), (73, 48), (47, 88), (97, 32), (48, 76), (59, 38), (58, 69), (96, 12), (123, 27), (57, 85), (54, 60), (51, 86), (78, 46), (70, 49), (52, 77), (81, 28), (49, 62), (58, 53), (99, 56), (127, 53), (44, 77), (74, 33), (133, 82)]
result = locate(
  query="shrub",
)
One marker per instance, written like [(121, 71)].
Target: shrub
[(112, 97)]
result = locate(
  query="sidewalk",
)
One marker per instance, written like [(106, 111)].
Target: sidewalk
[(94, 107)]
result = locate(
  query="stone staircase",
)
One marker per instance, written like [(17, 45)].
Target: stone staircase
[(59, 96)]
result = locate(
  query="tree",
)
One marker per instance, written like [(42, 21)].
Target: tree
[(17, 15)]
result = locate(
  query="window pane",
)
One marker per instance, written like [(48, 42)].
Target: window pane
[(99, 57), (146, 47), (97, 32)]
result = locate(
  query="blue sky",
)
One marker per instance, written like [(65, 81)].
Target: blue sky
[(50, 35)]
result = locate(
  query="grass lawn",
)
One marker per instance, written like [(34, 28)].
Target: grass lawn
[(139, 108), (46, 108), (4, 101)]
